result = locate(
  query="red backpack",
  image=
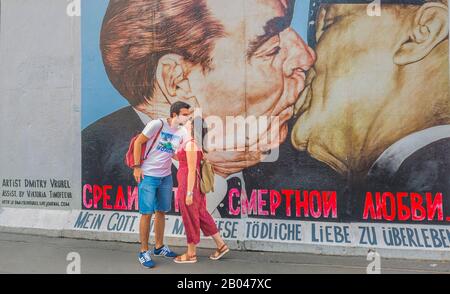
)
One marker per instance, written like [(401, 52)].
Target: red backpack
[(129, 156)]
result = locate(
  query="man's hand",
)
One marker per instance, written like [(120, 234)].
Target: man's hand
[(189, 200), (226, 163), (138, 175)]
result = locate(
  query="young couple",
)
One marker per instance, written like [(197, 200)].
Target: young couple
[(167, 139)]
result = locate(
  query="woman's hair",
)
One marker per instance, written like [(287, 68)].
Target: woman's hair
[(198, 130)]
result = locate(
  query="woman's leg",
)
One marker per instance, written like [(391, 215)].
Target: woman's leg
[(218, 239), (191, 222), (191, 226), (192, 249), (209, 228), (208, 225)]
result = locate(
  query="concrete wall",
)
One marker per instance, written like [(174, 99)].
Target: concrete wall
[(40, 94)]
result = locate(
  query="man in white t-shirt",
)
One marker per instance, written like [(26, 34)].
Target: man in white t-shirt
[(154, 176)]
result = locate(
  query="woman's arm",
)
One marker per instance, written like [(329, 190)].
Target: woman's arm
[(191, 156)]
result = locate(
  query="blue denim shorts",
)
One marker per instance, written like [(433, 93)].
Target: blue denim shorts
[(155, 194)]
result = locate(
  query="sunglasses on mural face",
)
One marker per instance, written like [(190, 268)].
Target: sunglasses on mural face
[(314, 8)]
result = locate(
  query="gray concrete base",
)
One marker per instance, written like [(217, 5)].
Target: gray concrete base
[(21, 253), (239, 245), (52, 223)]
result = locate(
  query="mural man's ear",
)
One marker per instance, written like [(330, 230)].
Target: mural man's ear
[(429, 28), (171, 78)]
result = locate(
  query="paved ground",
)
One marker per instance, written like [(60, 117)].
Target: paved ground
[(37, 254)]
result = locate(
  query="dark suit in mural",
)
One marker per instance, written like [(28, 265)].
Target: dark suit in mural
[(105, 143)]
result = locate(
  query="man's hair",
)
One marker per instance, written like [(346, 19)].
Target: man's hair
[(314, 7), (136, 33), (177, 106)]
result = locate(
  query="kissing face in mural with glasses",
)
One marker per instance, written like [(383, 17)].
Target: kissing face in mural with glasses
[(376, 106)]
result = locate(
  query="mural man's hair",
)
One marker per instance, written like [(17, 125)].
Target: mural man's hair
[(136, 33), (315, 5)]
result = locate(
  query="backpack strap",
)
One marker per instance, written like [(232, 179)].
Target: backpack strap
[(154, 139)]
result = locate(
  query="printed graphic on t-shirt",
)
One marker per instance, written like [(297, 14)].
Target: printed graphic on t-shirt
[(166, 142)]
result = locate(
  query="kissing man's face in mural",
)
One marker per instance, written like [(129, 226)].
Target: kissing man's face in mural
[(258, 67), (376, 80)]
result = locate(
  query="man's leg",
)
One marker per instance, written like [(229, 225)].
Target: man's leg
[(147, 198), (144, 231), (160, 222), (163, 205)]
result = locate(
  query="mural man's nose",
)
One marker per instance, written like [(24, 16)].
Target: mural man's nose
[(300, 56)]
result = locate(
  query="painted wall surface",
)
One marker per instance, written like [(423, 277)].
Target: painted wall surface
[(359, 146), (40, 114)]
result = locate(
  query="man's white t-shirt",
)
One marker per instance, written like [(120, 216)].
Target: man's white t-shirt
[(159, 159)]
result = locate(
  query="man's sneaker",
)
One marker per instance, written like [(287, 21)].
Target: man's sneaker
[(145, 259), (164, 251)]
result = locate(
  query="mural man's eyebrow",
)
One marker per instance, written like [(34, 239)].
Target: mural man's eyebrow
[(272, 28)]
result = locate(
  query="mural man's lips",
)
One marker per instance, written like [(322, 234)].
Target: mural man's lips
[(302, 73), (286, 114), (275, 136), (283, 133), (304, 100), (274, 142)]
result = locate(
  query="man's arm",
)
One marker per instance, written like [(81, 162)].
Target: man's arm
[(141, 139), (137, 170)]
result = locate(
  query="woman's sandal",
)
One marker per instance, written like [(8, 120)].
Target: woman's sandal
[(185, 258), (220, 252)]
